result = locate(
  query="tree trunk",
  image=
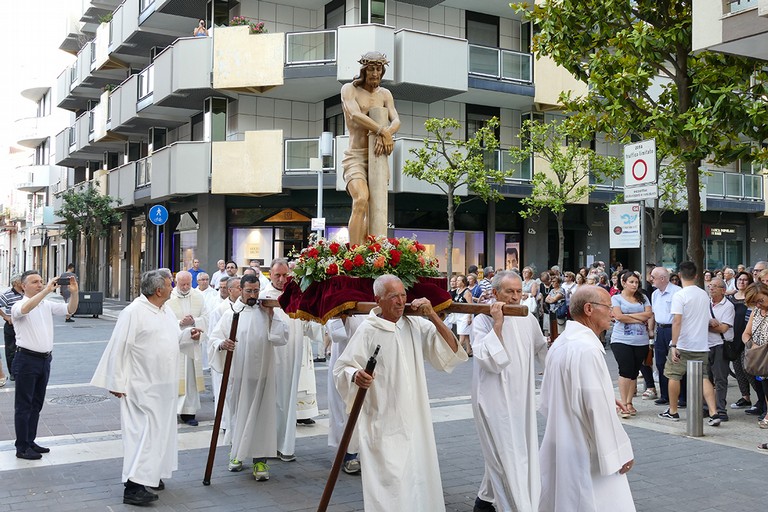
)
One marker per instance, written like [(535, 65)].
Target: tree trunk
[(451, 229), (654, 217), (560, 240), (695, 247)]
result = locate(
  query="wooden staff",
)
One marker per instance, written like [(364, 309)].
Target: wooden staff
[(220, 405), (363, 308), (344, 443)]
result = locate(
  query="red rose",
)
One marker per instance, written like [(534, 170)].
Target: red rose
[(394, 257), (313, 253), (332, 269), (419, 247), (348, 266), (334, 248), (374, 247), (371, 238), (358, 260), (394, 241)]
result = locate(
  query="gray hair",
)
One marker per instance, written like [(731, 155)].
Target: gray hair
[(584, 294), (232, 282), (498, 277), (278, 261), (223, 279), (380, 284), (153, 280), (203, 274), (16, 278)]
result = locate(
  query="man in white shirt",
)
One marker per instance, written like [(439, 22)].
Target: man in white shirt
[(221, 272), (33, 321), (661, 304), (720, 329), (690, 324), (729, 276)]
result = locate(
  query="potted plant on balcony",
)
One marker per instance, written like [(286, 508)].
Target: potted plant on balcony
[(256, 27)]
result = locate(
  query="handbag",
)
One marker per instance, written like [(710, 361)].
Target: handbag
[(756, 358), (562, 311)]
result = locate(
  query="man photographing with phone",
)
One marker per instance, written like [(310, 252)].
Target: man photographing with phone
[(33, 321)]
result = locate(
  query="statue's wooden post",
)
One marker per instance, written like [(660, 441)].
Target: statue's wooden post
[(378, 178)]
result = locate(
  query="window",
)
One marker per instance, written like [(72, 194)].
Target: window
[(42, 153), (334, 14), (478, 115), (373, 11), (334, 116), (215, 119), (482, 29)]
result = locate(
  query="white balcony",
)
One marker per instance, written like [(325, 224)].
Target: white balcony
[(121, 183), (35, 178), (182, 168), (310, 48), (354, 40), (32, 131), (298, 153)]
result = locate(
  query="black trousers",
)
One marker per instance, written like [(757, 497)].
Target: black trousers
[(31, 374), (9, 333)]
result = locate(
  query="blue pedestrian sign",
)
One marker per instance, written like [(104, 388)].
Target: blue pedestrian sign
[(158, 215)]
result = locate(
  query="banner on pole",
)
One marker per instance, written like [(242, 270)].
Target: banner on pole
[(624, 223)]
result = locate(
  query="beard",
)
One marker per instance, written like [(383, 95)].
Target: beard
[(252, 301)]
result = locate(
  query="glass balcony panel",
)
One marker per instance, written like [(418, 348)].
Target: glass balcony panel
[(716, 184), (311, 47), (483, 61), (146, 82), (143, 172), (753, 186), (733, 185), (741, 5), (515, 66), (299, 151)]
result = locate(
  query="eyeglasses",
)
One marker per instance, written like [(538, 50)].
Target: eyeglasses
[(600, 304)]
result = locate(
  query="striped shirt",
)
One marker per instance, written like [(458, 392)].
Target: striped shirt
[(8, 299)]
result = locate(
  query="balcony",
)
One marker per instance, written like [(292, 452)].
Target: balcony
[(32, 131), (735, 186), (310, 48), (182, 75), (498, 64), (121, 183), (399, 182), (298, 153), (730, 26), (182, 168), (734, 6), (245, 62), (252, 166), (35, 178)]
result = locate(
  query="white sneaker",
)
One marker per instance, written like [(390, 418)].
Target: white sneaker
[(650, 394), (261, 471), (235, 465)]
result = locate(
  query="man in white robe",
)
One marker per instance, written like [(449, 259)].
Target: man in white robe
[(251, 387), (232, 289), (188, 304), (139, 367), (294, 393), (585, 453), (397, 443), (503, 400)]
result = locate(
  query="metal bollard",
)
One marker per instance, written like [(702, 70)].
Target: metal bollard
[(695, 416)]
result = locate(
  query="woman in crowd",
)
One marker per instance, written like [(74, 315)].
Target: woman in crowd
[(675, 279), (707, 279), (603, 282), (530, 290), (463, 322), (741, 316), (629, 339), (554, 299), (568, 284), (580, 280), (614, 284), (473, 285), (756, 297)]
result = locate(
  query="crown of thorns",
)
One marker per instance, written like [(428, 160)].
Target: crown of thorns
[(373, 58)]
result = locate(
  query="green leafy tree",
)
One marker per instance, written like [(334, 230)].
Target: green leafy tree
[(87, 215), (450, 163), (646, 81), (570, 164)]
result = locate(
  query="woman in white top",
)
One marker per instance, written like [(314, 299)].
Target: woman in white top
[(463, 322)]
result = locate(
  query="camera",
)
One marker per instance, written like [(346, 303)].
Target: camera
[(63, 281)]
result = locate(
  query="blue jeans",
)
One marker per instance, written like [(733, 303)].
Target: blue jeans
[(31, 374)]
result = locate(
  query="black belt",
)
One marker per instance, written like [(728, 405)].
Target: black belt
[(664, 326), (41, 355)]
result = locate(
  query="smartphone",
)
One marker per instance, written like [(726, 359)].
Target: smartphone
[(63, 281)]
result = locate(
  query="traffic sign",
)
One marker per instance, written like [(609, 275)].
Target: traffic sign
[(158, 215), (640, 163), (642, 192)]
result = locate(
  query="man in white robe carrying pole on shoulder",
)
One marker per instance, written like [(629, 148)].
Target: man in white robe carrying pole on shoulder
[(398, 454), (503, 400), (139, 367), (585, 454)]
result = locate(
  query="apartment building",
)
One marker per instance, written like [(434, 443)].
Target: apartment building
[(221, 129)]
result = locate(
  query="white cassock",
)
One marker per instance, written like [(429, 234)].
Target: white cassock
[(398, 454), (504, 406), (251, 386), (212, 299), (191, 379), (306, 392), (213, 319), (288, 363), (340, 332), (584, 444), (141, 362)]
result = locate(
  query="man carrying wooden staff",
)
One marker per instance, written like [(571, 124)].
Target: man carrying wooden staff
[(397, 444), (251, 388)]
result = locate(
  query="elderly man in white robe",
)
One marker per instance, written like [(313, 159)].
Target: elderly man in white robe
[(232, 289), (398, 454), (585, 454), (188, 304), (139, 367), (251, 388), (296, 386), (503, 400)]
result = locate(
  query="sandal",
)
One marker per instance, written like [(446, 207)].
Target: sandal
[(762, 446), (3, 380), (623, 415), (763, 423), (632, 410)]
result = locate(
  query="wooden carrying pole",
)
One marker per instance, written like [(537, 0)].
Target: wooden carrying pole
[(345, 438), (363, 308), (220, 404)]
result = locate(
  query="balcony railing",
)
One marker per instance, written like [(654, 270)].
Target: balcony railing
[(615, 184), (502, 161), (146, 82), (306, 48), (143, 172), (299, 151), (732, 185), (740, 5), (500, 64)]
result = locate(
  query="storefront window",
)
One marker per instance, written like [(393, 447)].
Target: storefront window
[(509, 255), (467, 247), (251, 243)]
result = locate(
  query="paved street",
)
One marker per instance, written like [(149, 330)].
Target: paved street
[(722, 471)]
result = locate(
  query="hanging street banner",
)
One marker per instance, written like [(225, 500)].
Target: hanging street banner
[(640, 171), (624, 223)]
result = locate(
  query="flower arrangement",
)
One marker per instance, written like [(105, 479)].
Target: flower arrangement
[(323, 259), (256, 27)]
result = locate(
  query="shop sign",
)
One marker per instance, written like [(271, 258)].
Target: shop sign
[(624, 226)]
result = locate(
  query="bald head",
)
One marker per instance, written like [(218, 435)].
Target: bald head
[(583, 295), (184, 281)]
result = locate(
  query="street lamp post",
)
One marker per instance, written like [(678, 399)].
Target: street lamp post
[(325, 148)]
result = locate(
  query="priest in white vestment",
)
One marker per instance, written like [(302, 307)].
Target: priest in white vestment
[(188, 304), (503, 400), (139, 366), (585, 453), (231, 288), (251, 388), (294, 392), (398, 454)]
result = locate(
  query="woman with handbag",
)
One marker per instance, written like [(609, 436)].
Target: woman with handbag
[(755, 338), (742, 312), (630, 342), (556, 301)]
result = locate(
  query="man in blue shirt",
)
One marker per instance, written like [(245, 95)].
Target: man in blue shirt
[(195, 270), (661, 302)]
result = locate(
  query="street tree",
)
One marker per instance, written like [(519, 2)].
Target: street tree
[(559, 144), (450, 163), (87, 215), (645, 81)]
